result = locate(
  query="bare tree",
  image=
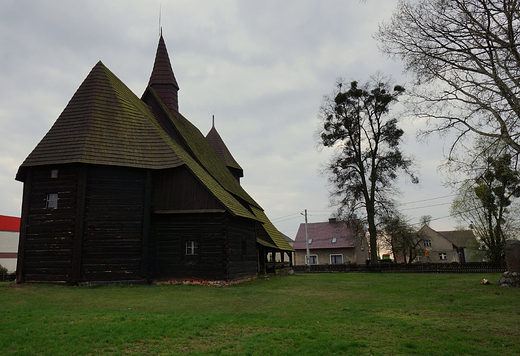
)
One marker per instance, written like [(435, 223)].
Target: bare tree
[(402, 239), (464, 56)]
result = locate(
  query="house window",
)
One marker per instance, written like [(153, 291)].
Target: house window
[(310, 241), (191, 248), (334, 240), (442, 256), (336, 259), (54, 173), (427, 243), (52, 200), (313, 259)]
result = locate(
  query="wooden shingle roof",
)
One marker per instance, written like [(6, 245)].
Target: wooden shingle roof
[(104, 123), (204, 154), (221, 149), (272, 231), (163, 80)]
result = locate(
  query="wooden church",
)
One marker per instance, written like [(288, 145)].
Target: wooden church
[(123, 189)]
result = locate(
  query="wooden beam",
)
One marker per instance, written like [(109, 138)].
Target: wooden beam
[(147, 212), (26, 203), (79, 225)]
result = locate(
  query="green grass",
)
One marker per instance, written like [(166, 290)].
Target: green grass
[(316, 314)]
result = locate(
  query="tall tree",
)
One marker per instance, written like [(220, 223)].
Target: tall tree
[(465, 59), (357, 124), (484, 203)]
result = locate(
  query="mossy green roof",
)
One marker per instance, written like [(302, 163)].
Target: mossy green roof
[(220, 148), (271, 230), (204, 154), (104, 123)]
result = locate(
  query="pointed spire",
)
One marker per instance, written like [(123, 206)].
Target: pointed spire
[(163, 80), (220, 148)]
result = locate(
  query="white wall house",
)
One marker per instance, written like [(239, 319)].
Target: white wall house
[(9, 236)]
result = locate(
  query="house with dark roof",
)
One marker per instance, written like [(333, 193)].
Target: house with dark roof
[(126, 189), (448, 246), (332, 242)]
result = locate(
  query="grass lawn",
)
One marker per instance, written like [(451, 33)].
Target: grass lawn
[(305, 314)]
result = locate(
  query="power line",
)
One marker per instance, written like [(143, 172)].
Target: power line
[(285, 216), (426, 206), (420, 201), (453, 215)]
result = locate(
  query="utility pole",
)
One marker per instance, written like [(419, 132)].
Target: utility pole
[(307, 244)]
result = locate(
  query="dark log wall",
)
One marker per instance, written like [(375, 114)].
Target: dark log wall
[(226, 247), (113, 233), (179, 189), (49, 233), (241, 249), (168, 253), (99, 231)]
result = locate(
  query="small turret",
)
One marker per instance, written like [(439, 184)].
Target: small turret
[(216, 142), (163, 80)]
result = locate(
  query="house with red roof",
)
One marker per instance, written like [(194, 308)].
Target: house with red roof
[(332, 242), (126, 189), (448, 246), (9, 236)]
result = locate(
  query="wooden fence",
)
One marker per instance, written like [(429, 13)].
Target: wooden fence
[(469, 267)]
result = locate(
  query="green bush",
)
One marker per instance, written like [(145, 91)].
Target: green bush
[(2, 270)]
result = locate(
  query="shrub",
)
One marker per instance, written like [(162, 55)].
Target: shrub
[(2, 270)]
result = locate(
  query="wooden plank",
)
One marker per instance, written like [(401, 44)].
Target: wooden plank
[(114, 218), (79, 225), (26, 202)]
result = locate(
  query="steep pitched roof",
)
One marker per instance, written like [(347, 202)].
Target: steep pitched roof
[(203, 153), (221, 149), (271, 230), (323, 233), (162, 79), (104, 123)]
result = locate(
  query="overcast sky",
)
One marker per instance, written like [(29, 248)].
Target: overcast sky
[(261, 67)]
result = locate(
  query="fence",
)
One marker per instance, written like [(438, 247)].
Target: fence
[(5, 277), (468, 267)]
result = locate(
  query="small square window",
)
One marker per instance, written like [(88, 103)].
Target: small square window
[(442, 256), (313, 259), (336, 259), (52, 200), (191, 248), (54, 173), (310, 241), (334, 240), (427, 243)]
